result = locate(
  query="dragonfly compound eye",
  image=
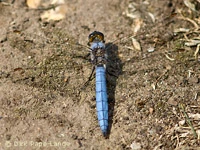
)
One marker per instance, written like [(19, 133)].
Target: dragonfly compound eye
[(96, 35)]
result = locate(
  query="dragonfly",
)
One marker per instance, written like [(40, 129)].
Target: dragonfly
[(99, 57)]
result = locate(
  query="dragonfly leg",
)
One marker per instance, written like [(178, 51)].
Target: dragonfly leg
[(86, 57), (89, 79)]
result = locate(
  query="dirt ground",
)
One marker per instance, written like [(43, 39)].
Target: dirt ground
[(153, 88)]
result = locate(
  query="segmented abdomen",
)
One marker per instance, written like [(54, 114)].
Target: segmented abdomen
[(102, 99)]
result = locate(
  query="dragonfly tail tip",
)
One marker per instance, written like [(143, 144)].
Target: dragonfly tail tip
[(105, 135)]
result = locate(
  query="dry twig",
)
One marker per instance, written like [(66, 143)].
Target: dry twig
[(188, 120)]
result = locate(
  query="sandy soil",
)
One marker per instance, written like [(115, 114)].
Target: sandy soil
[(154, 92)]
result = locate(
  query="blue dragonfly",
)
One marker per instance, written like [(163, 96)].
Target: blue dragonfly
[(99, 58), (98, 55)]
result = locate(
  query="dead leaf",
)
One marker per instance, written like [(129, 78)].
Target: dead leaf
[(151, 110), (181, 30), (136, 44), (182, 122), (189, 5), (195, 116), (171, 101), (55, 14), (135, 146), (137, 25), (33, 3), (192, 43), (152, 17)]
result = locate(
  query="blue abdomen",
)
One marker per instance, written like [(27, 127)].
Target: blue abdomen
[(102, 99)]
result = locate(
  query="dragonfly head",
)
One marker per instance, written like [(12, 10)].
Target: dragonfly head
[(96, 36)]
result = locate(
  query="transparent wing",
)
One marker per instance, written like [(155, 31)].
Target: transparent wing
[(56, 62)]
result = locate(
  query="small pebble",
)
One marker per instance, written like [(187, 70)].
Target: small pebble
[(151, 49)]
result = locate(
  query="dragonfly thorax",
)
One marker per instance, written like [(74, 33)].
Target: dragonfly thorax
[(98, 53)]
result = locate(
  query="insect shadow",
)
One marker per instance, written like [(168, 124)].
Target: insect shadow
[(114, 69)]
